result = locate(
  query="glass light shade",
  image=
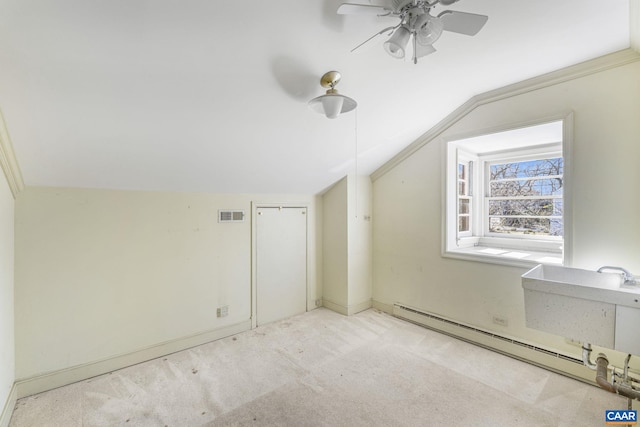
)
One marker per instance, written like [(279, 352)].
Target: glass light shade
[(428, 29), (424, 50), (332, 104), (397, 43)]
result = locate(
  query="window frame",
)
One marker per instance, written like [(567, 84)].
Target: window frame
[(467, 160), (519, 250), (545, 152)]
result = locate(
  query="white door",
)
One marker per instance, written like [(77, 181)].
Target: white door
[(281, 263)]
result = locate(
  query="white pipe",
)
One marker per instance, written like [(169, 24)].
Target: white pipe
[(586, 356)]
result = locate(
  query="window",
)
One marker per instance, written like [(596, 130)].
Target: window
[(524, 197), (505, 196), (465, 197)]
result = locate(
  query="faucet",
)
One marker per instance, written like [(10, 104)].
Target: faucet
[(627, 277)]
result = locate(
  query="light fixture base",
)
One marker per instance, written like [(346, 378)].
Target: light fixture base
[(330, 79)]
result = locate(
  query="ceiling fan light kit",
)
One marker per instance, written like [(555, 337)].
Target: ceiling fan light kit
[(417, 27), (397, 43), (332, 103)]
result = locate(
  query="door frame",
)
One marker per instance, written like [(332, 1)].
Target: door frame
[(254, 252)]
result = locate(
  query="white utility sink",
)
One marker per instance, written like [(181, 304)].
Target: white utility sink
[(583, 305), (578, 283)]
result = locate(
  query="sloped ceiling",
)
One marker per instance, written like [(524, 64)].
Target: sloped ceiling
[(210, 96)]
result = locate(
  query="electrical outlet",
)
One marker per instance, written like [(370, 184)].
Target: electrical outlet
[(499, 320), (223, 311)]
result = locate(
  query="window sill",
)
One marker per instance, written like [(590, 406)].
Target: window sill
[(511, 257)]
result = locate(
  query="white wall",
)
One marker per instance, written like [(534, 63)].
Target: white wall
[(6, 295), (407, 213), (104, 273)]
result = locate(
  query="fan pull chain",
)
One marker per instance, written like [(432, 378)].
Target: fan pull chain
[(356, 161)]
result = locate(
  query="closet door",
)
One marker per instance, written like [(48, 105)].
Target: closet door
[(281, 263)]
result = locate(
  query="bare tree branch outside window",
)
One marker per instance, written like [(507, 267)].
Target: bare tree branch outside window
[(526, 197)]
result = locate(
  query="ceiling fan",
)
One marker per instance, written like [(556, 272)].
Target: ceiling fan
[(417, 25)]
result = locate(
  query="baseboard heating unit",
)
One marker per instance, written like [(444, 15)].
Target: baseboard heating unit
[(557, 362)]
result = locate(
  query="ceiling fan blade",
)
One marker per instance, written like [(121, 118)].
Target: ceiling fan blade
[(374, 36), (463, 22), (361, 9)]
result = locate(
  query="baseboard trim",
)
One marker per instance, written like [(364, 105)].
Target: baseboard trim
[(385, 308), (48, 381), (357, 308), (9, 405), (563, 364), (348, 310), (338, 308)]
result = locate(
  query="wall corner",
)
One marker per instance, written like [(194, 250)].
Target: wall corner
[(8, 161)]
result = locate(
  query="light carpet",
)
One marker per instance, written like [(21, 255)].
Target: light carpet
[(324, 369)]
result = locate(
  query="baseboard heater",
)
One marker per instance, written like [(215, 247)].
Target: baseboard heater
[(491, 340)]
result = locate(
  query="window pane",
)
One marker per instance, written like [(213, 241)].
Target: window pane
[(538, 226), (463, 206), (535, 207), (528, 169), (556, 228), (462, 188), (463, 223), (461, 171), (527, 187)]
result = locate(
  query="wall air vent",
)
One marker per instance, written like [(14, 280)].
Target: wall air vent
[(226, 215)]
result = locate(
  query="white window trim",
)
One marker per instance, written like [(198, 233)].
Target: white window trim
[(466, 158), (499, 250)]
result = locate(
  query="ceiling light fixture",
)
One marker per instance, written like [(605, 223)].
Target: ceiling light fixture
[(424, 28), (417, 30), (332, 104), (397, 43)]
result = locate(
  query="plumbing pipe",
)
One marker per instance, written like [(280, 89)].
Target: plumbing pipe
[(601, 373), (601, 379), (586, 356), (626, 367)]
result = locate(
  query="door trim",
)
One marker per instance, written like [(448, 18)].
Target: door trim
[(254, 251)]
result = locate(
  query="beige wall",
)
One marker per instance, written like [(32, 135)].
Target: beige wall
[(335, 247), (104, 273), (347, 248), (360, 247), (6, 294), (408, 266)]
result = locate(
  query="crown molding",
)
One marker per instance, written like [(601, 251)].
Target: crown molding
[(582, 69), (8, 161), (634, 24)]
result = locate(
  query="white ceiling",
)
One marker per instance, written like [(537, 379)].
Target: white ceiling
[(211, 96)]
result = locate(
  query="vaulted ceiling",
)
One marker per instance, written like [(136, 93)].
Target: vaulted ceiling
[(211, 96)]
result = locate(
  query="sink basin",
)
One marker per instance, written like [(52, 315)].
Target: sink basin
[(585, 284), (583, 305)]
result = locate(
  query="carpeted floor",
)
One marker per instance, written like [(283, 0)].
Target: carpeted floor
[(325, 369)]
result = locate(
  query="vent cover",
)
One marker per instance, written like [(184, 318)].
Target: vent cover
[(226, 215), (398, 307)]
